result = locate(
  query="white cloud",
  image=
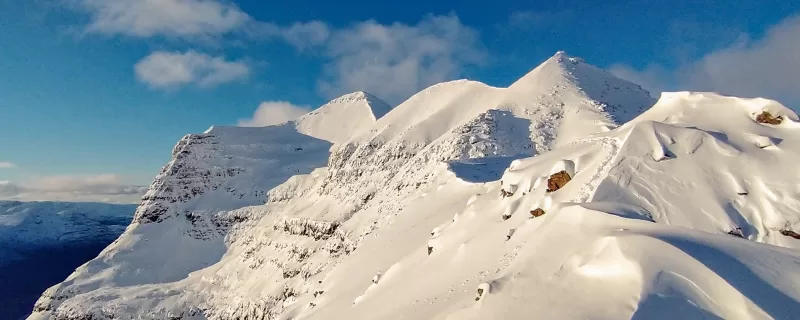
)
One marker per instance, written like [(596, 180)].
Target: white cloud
[(6, 165), (397, 60), (305, 35), (767, 67), (392, 61), (171, 18), (100, 188), (301, 35), (191, 20), (174, 69), (274, 112)]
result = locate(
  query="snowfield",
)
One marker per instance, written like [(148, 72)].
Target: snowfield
[(570, 194)]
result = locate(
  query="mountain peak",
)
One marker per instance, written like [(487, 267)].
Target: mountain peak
[(563, 57), (377, 106), (557, 69), (343, 117), (562, 73)]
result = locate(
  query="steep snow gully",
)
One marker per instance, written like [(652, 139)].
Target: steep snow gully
[(570, 194)]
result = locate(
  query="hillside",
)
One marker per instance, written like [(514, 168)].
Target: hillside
[(446, 207)]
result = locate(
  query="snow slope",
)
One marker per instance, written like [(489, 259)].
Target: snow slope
[(343, 117), (634, 234), (405, 221), (184, 217)]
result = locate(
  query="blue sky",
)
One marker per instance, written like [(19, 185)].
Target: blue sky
[(94, 93)]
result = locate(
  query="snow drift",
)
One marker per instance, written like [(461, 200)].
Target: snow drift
[(686, 210)]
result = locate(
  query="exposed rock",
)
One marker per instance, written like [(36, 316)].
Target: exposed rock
[(538, 212), (766, 117), (737, 232), (558, 180), (790, 233), (482, 289)]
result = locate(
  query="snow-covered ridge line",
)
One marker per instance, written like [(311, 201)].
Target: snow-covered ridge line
[(376, 168), (189, 208), (602, 212)]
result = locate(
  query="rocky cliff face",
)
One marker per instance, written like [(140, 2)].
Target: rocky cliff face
[(187, 210)]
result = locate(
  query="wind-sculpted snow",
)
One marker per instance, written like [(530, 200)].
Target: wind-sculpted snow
[(641, 230), (683, 211)]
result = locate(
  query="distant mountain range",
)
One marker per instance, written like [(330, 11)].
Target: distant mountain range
[(43, 242)]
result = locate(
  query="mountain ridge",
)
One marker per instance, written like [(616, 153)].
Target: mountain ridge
[(390, 212), (356, 189)]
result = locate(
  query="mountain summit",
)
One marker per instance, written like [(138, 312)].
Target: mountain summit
[(343, 117), (556, 196), (196, 212)]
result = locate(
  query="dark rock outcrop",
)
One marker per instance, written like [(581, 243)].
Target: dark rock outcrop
[(558, 180), (768, 118)]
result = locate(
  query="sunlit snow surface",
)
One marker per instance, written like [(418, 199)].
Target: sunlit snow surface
[(407, 221)]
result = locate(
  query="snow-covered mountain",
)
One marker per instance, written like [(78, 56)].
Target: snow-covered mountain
[(402, 216), (43, 242)]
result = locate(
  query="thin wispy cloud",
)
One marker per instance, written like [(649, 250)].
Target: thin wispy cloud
[(390, 60), (168, 70), (274, 112), (6, 165), (97, 188), (187, 19), (394, 61), (766, 67), (301, 35)]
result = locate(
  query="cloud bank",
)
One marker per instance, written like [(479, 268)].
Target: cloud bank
[(766, 67), (395, 61), (97, 188), (6, 165)]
